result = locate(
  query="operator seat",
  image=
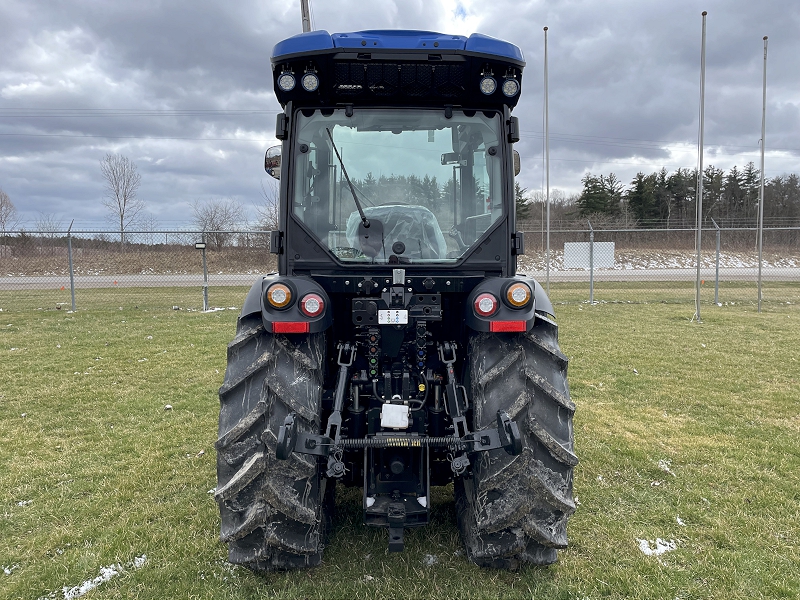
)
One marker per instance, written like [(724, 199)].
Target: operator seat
[(415, 226)]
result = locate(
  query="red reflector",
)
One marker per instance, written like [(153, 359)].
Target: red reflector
[(507, 326), (290, 327)]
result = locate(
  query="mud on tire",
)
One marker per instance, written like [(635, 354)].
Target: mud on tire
[(514, 510), (273, 512)]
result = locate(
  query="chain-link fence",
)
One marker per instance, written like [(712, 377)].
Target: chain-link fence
[(660, 265), (165, 269), (87, 270)]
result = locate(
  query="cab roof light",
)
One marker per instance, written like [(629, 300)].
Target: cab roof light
[(310, 81), (286, 81), (510, 87), (488, 85)]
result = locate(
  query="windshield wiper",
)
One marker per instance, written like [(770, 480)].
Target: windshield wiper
[(364, 219)]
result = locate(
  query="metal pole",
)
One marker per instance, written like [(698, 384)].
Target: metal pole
[(71, 269), (205, 278), (591, 263), (699, 217), (761, 190), (716, 284), (304, 13), (547, 161)]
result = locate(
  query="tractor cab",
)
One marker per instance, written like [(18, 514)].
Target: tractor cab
[(397, 151)]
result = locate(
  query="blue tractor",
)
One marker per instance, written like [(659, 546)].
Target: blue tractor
[(396, 348)]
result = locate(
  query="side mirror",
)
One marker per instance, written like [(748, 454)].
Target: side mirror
[(272, 162), (517, 164)]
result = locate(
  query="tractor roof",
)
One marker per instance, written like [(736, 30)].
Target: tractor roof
[(396, 67), (318, 42)]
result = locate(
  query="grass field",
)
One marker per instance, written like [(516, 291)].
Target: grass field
[(686, 432)]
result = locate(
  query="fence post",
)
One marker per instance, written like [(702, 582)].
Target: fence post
[(591, 262), (202, 247), (205, 277), (716, 284), (71, 269)]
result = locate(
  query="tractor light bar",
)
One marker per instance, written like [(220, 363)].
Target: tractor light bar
[(502, 326), (291, 327)]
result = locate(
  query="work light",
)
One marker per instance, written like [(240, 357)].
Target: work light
[(511, 87), (310, 82), (488, 85), (286, 81)]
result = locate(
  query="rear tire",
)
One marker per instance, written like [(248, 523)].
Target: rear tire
[(514, 509), (273, 512)]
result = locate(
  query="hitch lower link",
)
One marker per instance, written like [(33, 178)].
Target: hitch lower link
[(506, 435)]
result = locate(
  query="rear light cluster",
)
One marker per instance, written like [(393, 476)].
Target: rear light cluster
[(281, 296), (517, 295)]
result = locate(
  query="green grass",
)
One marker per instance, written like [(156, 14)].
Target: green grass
[(110, 475)]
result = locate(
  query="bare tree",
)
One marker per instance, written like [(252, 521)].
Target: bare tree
[(149, 225), (8, 218), (217, 218), (267, 208), (48, 225), (122, 184)]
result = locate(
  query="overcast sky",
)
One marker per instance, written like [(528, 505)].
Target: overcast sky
[(183, 88)]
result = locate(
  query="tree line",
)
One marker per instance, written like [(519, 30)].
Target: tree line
[(658, 199), (664, 199)]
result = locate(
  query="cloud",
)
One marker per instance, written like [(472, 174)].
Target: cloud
[(184, 89)]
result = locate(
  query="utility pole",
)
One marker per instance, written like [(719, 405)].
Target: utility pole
[(699, 217), (761, 190), (304, 12), (547, 162)]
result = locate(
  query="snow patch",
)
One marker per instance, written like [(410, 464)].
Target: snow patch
[(106, 573), (429, 560), (657, 548), (665, 465)]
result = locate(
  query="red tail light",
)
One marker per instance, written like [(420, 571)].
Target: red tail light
[(312, 305), (485, 305)]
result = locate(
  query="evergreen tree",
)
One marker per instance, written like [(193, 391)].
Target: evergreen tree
[(682, 188), (523, 203), (733, 194), (712, 191), (751, 184), (641, 197), (600, 195)]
